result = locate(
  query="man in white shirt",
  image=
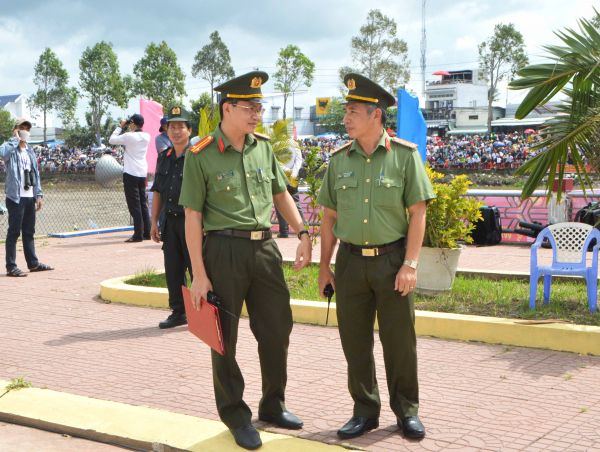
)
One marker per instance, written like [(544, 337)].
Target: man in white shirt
[(135, 171), (294, 164)]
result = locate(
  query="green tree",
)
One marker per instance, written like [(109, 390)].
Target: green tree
[(6, 125), (333, 121), (197, 105), (101, 82), (53, 94), (83, 136), (501, 56), (281, 142), (574, 72), (294, 70), (159, 77), (595, 21), (378, 54), (213, 64)]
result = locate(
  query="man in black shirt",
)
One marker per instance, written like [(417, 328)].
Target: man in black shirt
[(165, 206)]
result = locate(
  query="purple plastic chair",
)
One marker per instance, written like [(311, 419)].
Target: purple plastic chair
[(569, 246)]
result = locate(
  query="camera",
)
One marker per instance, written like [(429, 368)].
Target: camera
[(28, 179), (128, 121)]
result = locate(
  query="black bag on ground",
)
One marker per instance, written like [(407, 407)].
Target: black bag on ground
[(488, 230), (589, 215)]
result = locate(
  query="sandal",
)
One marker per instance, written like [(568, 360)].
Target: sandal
[(41, 268), (16, 273)]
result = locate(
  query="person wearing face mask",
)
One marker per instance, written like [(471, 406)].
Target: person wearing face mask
[(165, 206), (23, 198)]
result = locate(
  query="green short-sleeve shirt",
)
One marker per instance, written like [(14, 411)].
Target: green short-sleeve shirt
[(371, 193), (232, 189)]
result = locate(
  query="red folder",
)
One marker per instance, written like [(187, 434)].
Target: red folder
[(205, 324)]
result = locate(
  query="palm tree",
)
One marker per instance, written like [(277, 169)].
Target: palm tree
[(281, 141), (574, 71)]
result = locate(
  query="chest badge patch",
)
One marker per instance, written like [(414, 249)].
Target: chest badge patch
[(343, 175), (228, 175)]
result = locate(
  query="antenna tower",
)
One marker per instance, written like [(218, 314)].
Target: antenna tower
[(423, 48)]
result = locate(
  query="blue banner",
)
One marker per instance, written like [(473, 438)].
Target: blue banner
[(411, 124)]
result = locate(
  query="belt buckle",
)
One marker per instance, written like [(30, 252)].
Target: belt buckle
[(256, 235), (370, 252)]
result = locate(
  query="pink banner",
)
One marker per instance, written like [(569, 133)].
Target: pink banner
[(152, 113)]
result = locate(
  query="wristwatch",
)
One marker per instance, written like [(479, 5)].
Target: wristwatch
[(411, 264), (304, 231)]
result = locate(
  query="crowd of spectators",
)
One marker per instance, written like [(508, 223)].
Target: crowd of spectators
[(481, 151), (69, 160)]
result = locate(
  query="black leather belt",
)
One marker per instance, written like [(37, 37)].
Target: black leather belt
[(374, 250), (252, 235)]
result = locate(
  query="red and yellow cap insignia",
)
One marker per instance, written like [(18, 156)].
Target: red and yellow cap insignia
[(176, 111), (351, 84), (256, 82), (202, 144)]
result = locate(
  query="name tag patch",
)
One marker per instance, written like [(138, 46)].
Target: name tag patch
[(228, 175), (343, 175)]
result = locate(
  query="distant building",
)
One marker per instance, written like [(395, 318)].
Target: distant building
[(533, 120), (457, 104), (16, 105)]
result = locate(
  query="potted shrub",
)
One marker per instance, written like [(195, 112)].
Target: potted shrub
[(450, 218)]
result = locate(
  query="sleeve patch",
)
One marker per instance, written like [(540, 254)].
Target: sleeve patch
[(408, 144), (202, 144)]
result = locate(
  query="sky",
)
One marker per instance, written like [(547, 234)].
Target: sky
[(255, 32)]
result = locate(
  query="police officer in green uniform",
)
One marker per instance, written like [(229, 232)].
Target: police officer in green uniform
[(231, 179), (166, 207), (369, 185)]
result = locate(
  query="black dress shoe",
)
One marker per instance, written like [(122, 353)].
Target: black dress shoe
[(134, 239), (147, 237), (283, 420), (412, 427), (357, 426), (247, 437), (173, 320)]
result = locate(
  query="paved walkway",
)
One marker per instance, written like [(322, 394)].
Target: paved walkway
[(55, 330)]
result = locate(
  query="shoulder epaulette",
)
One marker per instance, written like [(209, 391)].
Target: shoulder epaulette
[(341, 148), (408, 144), (262, 135), (202, 144)]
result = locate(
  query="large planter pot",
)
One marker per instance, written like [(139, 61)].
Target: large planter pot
[(437, 268)]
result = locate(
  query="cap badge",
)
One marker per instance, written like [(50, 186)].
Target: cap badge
[(256, 82), (176, 111), (351, 84)]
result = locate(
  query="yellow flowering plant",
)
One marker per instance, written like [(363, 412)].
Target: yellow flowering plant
[(451, 216)]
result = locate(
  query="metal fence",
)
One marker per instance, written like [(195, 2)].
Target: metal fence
[(73, 201)]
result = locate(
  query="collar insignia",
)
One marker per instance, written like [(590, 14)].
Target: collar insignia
[(221, 145), (387, 144)]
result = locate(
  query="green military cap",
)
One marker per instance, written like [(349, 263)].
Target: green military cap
[(362, 89), (245, 87), (178, 114)]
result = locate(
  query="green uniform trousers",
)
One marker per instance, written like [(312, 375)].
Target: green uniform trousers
[(241, 269), (365, 285)]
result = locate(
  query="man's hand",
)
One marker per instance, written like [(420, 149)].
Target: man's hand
[(154, 232), (38, 204), (16, 133), (326, 276), (199, 290), (406, 280), (123, 124), (303, 253)]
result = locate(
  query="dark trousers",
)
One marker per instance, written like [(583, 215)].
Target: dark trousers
[(284, 227), (177, 260), (137, 203), (241, 269), (365, 288), (21, 218)]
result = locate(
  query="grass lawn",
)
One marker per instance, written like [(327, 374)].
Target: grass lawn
[(474, 296)]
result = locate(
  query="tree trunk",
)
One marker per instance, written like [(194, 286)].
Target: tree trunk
[(44, 127), (284, 104), (212, 101)]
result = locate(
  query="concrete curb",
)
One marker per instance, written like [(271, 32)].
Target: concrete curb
[(582, 339), (137, 427)]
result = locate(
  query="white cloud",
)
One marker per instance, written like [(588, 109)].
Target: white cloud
[(465, 42)]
